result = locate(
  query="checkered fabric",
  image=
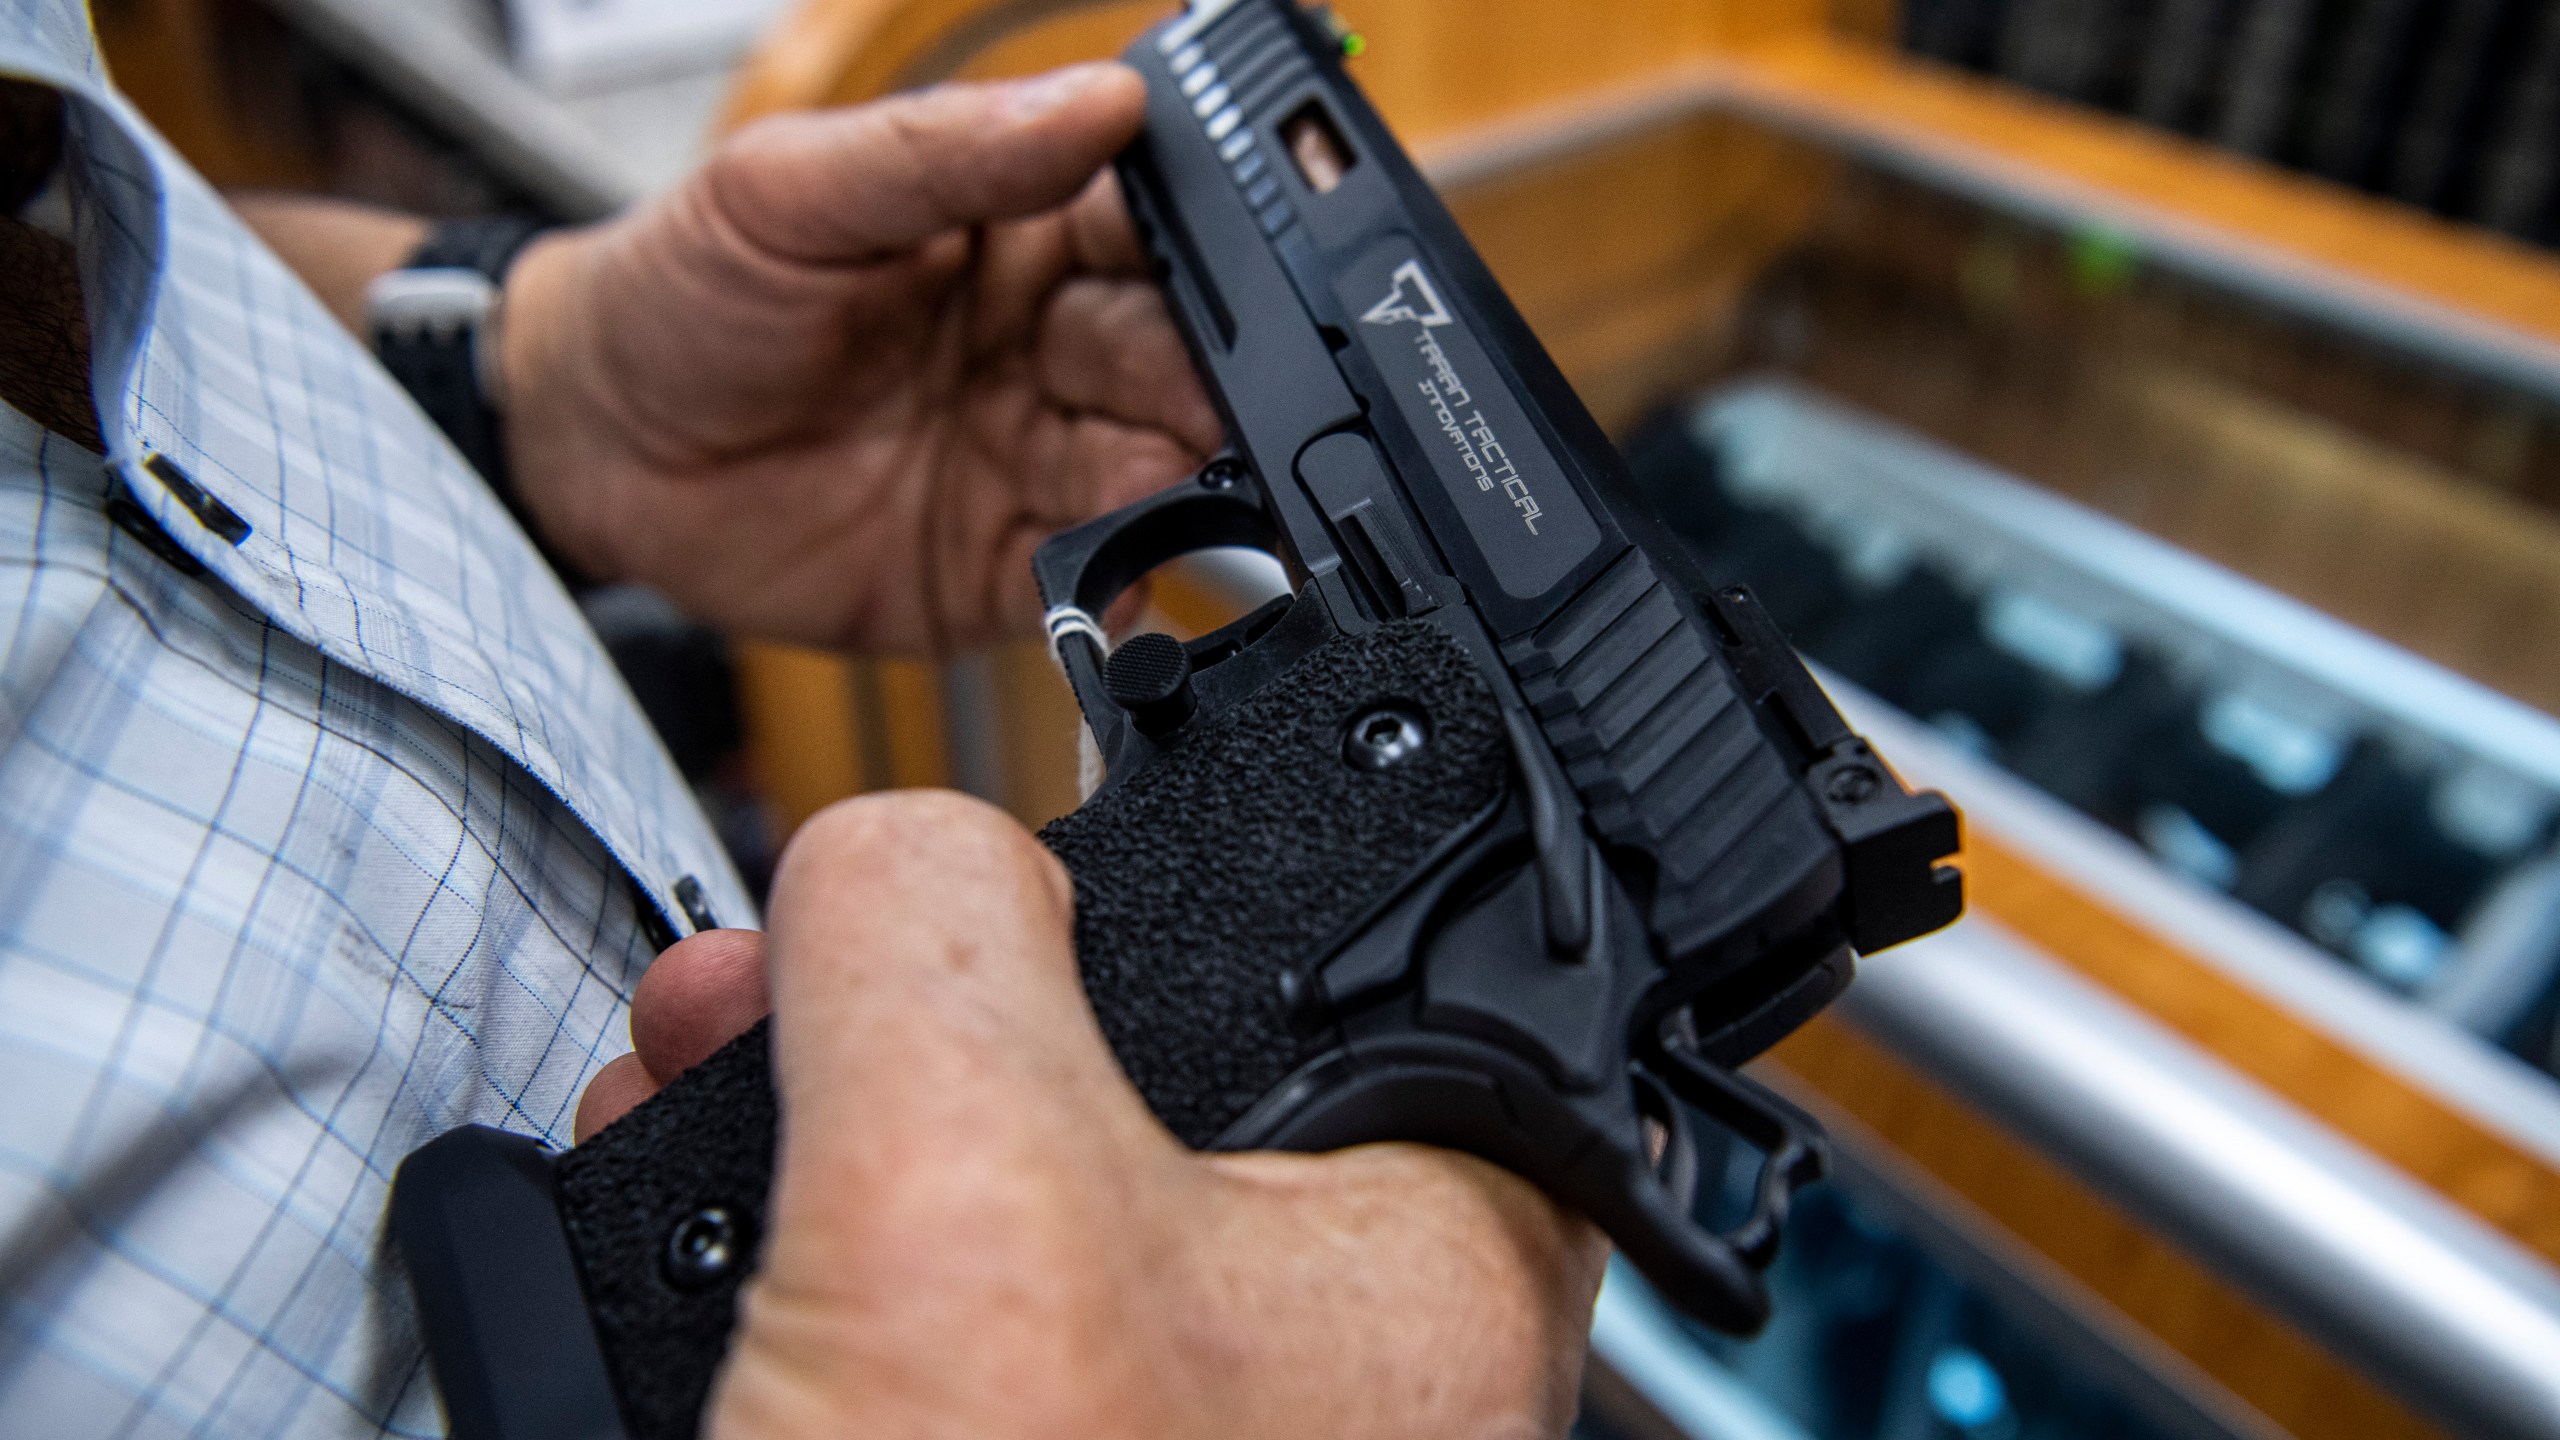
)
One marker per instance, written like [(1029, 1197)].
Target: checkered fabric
[(303, 860)]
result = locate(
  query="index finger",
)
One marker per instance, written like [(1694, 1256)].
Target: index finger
[(1103, 238), (848, 186)]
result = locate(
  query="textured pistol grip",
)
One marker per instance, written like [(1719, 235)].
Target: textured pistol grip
[(1201, 880)]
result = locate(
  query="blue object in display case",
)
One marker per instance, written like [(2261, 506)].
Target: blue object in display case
[(1890, 1324)]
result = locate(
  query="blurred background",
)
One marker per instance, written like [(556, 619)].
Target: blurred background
[(2146, 413)]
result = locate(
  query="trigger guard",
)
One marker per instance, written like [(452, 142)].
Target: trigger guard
[(1081, 571), (1793, 1154), (1459, 1095), (1093, 564), (1677, 1166)]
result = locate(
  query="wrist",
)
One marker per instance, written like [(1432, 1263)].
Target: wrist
[(337, 248), (556, 453), (440, 323)]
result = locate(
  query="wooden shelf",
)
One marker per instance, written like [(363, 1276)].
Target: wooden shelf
[(2367, 263), (2315, 245)]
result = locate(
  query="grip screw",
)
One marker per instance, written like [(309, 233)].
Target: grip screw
[(706, 1247), (1384, 738), (1221, 475)]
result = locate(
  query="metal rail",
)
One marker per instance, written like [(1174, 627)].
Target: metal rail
[(1645, 1376), (2432, 1304)]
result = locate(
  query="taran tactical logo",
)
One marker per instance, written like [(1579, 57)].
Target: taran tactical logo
[(1452, 404), (1398, 307)]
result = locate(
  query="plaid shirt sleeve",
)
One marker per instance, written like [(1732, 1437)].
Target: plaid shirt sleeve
[(325, 826)]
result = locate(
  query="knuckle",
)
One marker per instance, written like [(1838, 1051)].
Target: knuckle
[(919, 134), (712, 960), (749, 145), (744, 159), (746, 187)]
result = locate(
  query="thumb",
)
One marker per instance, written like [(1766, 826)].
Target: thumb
[(929, 1025), (845, 186)]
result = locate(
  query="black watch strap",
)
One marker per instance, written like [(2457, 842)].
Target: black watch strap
[(437, 352), (486, 243)]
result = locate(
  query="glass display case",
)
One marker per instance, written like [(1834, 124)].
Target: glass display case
[(2395, 814), (1888, 1327), (2238, 609)]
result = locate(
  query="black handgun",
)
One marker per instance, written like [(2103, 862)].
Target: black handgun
[(1508, 831)]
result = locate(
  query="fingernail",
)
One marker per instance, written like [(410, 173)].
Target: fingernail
[(1030, 99)]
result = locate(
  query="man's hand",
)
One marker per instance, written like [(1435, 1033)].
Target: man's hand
[(978, 1229), (837, 386)]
